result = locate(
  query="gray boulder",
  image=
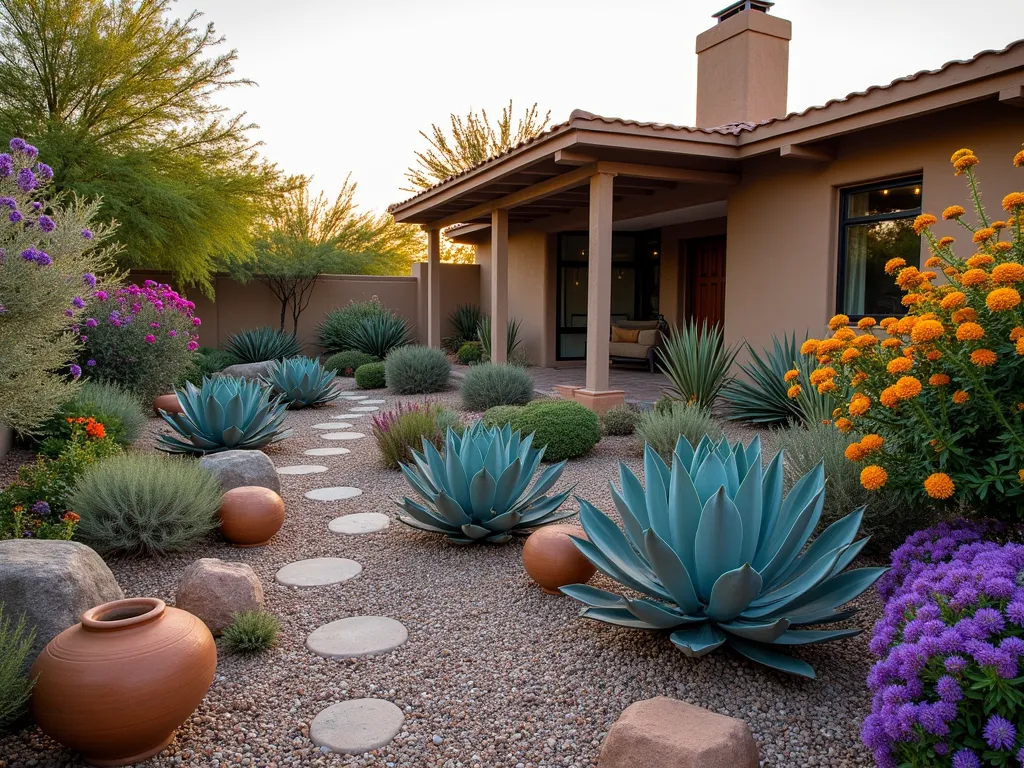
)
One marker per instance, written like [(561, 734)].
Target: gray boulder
[(52, 583), (247, 370), (234, 469), (215, 590)]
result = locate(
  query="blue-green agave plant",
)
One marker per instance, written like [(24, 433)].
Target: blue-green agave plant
[(719, 555), (477, 491), (302, 382), (224, 414)]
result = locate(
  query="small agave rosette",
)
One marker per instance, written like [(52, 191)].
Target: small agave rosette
[(302, 382), (721, 556), (479, 490), (224, 414)]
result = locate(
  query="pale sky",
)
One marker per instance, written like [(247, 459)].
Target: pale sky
[(345, 86)]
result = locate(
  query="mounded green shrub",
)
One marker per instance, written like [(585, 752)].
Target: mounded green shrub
[(252, 632), (485, 386), (345, 363), (371, 376), (662, 427), (500, 415), (145, 505), (118, 402), (416, 370), (620, 420), (336, 330), (15, 686), (470, 353), (564, 428)]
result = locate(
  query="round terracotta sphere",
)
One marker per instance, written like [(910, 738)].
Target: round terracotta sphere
[(250, 515), (168, 403), (553, 561)]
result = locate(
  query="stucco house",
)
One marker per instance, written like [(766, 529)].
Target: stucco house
[(764, 221)]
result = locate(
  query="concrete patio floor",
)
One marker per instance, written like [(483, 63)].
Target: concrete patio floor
[(639, 385)]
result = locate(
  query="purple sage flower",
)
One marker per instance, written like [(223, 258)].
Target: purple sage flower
[(79, 302), (89, 279), (46, 223), (91, 323), (101, 295), (9, 202), (44, 171), (90, 363), (87, 234), (76, 371), (14, 217), (999, 733), (41, 508), (18, 145), (150, 338), (36, 205), (27, 180), (43, 259), (966, 758), (6, 165)]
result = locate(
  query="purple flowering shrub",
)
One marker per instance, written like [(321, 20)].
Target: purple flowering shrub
[(947, 686), (51, 264), (140, 337)]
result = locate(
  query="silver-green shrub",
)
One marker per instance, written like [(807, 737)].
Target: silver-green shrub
[(487, 385), (619, 421), (662, 427), (15, 686), (416, 370), (117, 401), (252, 632)]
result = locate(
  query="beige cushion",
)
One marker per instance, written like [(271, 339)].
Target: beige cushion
[(642, 324), (649, 337), (625, 349), (628, 335)]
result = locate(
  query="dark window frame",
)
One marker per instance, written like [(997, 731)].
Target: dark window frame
[(846, 221)]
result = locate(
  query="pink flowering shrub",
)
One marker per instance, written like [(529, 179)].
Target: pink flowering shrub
[(947, 686), (141, 337)]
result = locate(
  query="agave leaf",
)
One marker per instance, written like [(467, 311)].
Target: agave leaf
[(834, 592), (814, 636), (503, 523), (546, 481), (684, 450), (849, 555), (424, 515), (451, 511), (840, 533), (414, 523), (709, 478), (618, 616), (657, 615), (476, 531), (543, 507), (772, 601), (481, 492), (420, 484), (634, 531), (504, 500), (619, 571), (733, 592), (656, 494), (633, 493), (764, 655), (232, 436), (803, 492), (771, 497), (436, 467), (795, 539), (458, 482), (827, 616), (592, 596), (748, 502), (717, 545), (698, 641), (672, 573), (760, 633)]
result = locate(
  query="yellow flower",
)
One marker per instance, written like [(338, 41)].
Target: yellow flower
[(854, 452), (791, 374), (794, 392), (969, 332), (906, 325), (983, 357), (838, 321), (974, 277), (872, 442), (965, 162), (1018, 159), (938, 380), (866, 322), (908, 387), (864, 341), (1002, 246), (830, 345), (891, 343), (934, 355), (1010, 272), (953, 212), (909, 277), (809, 347), (889, 397), (859, 405), (1020, 346), (960, 397), (893, 264), (960, 153), (926, 330), (843, 424), (836, 412), (1002, 299), (1020, 473), (979, 260), (965, 315), (911, 298), (819, 375), (858, 378), (997, 225), (899, 365), (933, 261), (826, 386), (922, 222), (850, 355), (951, 272), (983, 234), (1012, 201), (873, 477), (884, 325), (844, 334), (939, 485), (1017, 333), (953, 300), (945, 242)]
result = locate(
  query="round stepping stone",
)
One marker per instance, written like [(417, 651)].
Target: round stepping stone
[(365, 409), (356, 726), (348, 415), (318, 572), (333, 494), (302, 469), (326, 451), (372, 402), (326, 425), (353, 397), (359, 522), (340, 424), (342, 435), (357, 636)]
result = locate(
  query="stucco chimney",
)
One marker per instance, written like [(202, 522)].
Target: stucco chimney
[(743, 66)]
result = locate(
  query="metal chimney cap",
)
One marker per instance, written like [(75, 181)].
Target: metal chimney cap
[(742, 5)]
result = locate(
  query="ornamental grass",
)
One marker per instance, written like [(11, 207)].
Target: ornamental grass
[(939, 393)]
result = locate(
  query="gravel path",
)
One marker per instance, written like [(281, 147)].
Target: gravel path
[(494, 673)]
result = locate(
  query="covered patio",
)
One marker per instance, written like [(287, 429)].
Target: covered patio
[(639, 385)]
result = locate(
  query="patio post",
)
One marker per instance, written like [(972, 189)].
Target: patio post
[(434, 288), (597, 395), (499, 286)]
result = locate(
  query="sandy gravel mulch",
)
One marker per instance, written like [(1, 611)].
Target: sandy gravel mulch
[(495, 672)]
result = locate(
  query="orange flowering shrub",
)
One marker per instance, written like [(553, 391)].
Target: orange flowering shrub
[(938, 399)]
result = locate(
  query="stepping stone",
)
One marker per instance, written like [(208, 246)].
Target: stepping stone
[(327, 451), (372, 402), (347, 415), (356, 726), (366, 409), (302, 469), (326, 425), (318, 572), (342, 435), (359, 522), (353, 397), (333, 494), (340, 424), (357, 636)]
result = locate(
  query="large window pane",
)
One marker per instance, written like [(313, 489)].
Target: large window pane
[(868, 289), (872, 202)]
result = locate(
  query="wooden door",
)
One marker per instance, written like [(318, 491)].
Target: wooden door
[(705, 265)]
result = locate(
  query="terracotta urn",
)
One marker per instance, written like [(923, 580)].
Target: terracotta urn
[(250, 515), (117, 685), (167, 403), (553, 561)]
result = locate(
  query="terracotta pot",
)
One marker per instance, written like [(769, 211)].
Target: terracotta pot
[(553, 561), (117, 685), (250, 515), (167, 403)]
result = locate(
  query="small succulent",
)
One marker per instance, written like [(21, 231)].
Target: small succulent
[(477, 491), (721, 557), (256, 345), (224, 414), (302, 382)]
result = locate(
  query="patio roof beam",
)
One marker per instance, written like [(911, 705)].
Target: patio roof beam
[(664, 173)]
